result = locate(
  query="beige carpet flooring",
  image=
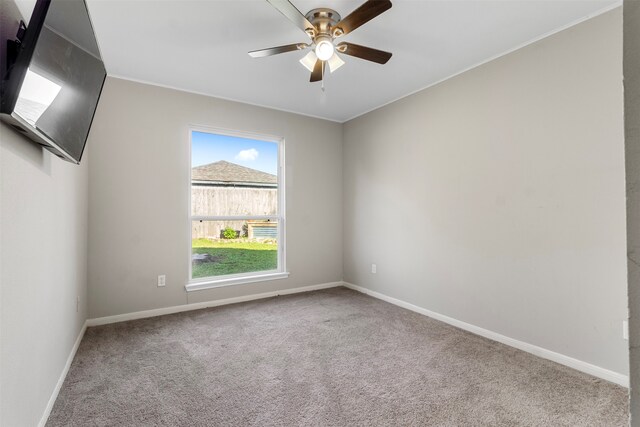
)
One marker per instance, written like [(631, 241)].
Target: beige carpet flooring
[(327, 358)]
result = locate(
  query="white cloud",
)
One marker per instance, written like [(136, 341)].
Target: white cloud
[(247, 155)]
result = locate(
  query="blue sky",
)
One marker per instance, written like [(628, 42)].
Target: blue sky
[(209, 147)]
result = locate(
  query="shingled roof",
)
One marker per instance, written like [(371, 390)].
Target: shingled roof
[(226, 173)]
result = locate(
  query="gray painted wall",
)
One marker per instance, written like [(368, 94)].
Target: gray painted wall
[(497, 197), (43, 265), (44, 212), (632, 153), (138, 203)]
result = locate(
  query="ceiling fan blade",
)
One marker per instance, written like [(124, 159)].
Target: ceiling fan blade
[(316, 75), (294, 15), (363, 52), (365, 13), (278, 49)]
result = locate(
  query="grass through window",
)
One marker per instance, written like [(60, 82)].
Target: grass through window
[(233, 256)]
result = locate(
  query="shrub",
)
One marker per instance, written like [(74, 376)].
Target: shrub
[(229, 233)]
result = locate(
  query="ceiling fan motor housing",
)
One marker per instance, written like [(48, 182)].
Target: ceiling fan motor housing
[(323, 19)]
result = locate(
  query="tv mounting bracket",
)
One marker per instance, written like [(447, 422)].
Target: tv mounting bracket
[(13, 46)]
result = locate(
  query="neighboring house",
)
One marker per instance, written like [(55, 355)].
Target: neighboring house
[(224, 188)]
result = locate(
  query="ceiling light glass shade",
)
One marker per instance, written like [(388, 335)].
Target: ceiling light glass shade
[(324, 50), (309, 61), (335, 62)]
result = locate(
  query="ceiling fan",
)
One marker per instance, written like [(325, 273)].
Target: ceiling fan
[(323, 26)]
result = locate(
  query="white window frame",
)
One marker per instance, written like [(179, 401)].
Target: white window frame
[(254, 276)]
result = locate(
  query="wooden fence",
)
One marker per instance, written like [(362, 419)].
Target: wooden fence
[(222, 201)]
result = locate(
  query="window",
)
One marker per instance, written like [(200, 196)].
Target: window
[(236, 212)]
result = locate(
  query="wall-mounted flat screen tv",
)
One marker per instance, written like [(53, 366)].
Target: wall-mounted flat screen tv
[(53, 84)]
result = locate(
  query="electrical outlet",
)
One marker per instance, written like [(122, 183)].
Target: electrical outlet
[(78, 304), (374, 269), (625, 330), (162, 280)]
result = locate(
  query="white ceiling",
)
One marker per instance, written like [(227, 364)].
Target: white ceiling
[(201, 46)]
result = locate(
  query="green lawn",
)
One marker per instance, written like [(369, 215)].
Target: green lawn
[(233, 257)]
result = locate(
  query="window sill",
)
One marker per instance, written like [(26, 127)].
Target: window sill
[(210, 284)]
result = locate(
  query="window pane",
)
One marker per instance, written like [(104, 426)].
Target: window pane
[(233, 176), (219, 248)]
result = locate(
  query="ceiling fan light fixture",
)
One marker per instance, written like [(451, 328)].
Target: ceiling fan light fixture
[(324, 48), (309, 61), (335, 62)]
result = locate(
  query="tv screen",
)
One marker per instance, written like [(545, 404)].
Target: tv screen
[(51, 91)]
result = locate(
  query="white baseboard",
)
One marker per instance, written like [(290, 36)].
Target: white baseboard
[(579, 365), (200, 305), (63, 375)]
